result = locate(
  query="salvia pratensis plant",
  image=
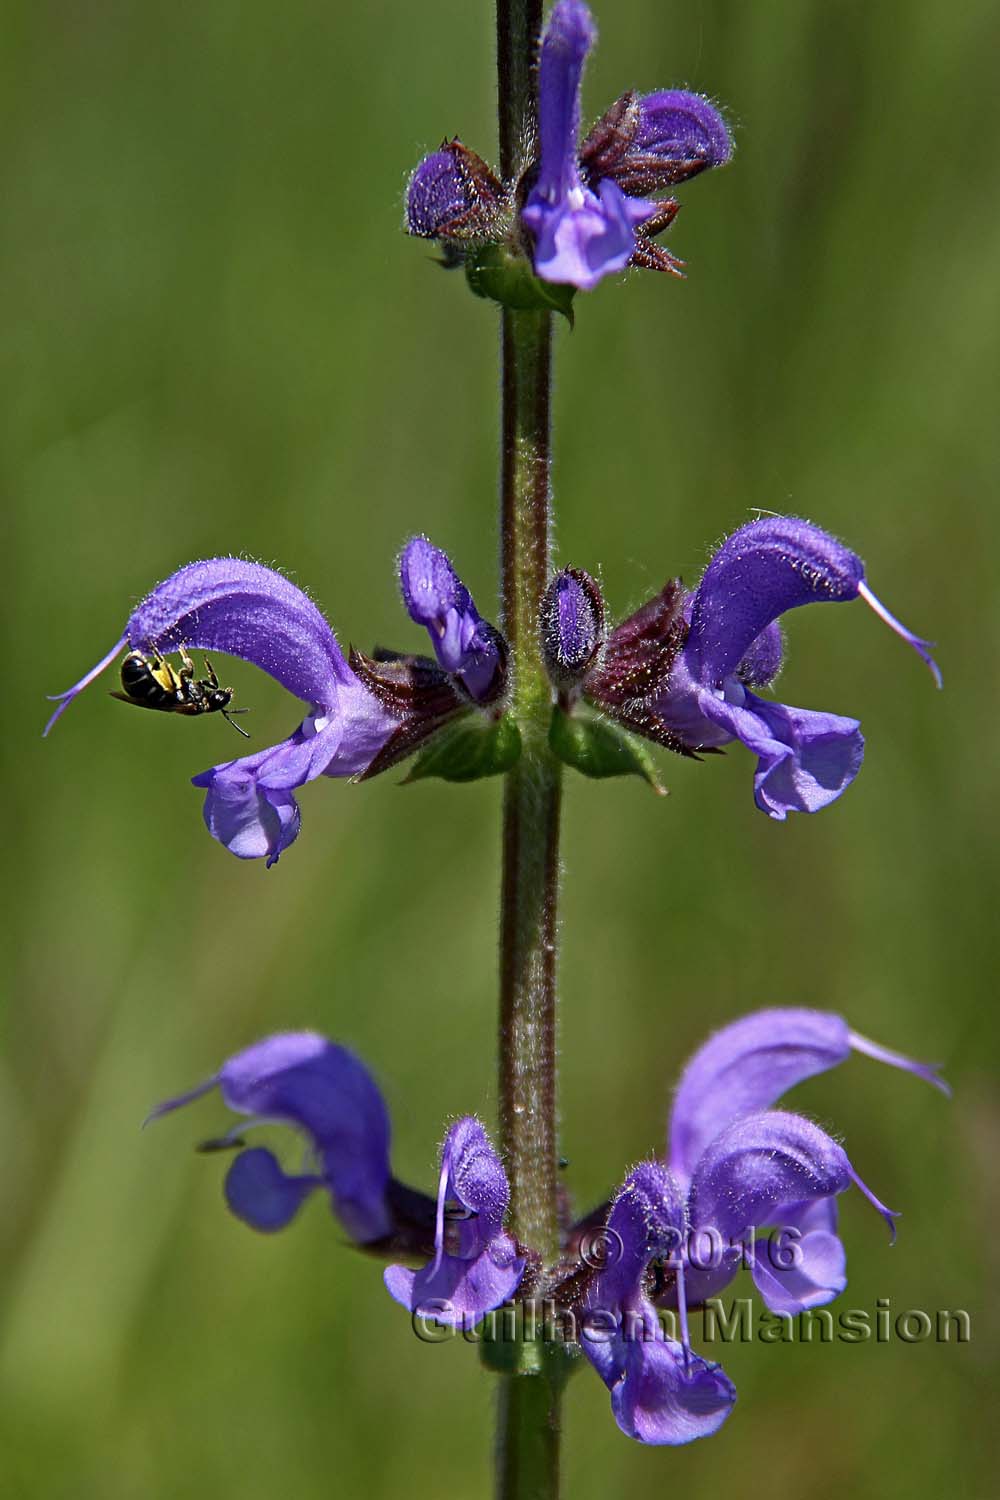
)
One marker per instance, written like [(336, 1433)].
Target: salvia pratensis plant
[(739, 1183)]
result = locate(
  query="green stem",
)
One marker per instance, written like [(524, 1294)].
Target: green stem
[(519, 25), (531, 801), (527, 1450), (528, 1430)]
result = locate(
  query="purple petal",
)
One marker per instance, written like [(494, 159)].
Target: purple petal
[(249, 807), (764, 658), (746, 1067), (261, 1194), (248, 804), (245, 610), (437, 598), (476, 1266), (250, 821), (669, 1395), (459, 1292), (568, 38), (647, 1221), (762, 570), (806, 760), (760, 1162), (300, 1079), (793, 1274), (248, 611), (472, 1174), (678, 126), (583, 236)]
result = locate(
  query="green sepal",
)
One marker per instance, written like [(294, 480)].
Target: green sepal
[(501, 275), (469, 750), (599, 747)]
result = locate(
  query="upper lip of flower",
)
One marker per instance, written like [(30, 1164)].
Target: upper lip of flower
[(246, 610), (476, 1265), (680, 670)]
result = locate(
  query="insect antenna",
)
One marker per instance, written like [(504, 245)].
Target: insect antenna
[(227, 715)]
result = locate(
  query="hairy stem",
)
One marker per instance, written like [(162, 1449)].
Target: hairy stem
[(519, 25), (527, 1449), (531, 801)]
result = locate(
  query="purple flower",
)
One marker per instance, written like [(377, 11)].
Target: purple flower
[(476, 1266), (583, 209), (682, 669), (361, 718), (466, 647), (300, 1079), (745, 1166), (679, 1231), (582, 205), (661, 1392)]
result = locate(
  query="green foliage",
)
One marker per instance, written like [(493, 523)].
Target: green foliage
[(497, 273), (473, 748), (599, 748)]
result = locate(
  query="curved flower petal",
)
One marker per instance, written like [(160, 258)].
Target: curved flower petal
[(646, 1222), (648, 143), (670, 1396), (676, 125), (241, 608), (795, 1272), (264, 1196), (760, 572), (248, 803), (568, 38), (459, 1292), (580, 235), (476, 1266), (760, 1162), (300, 1079), (805, 759), (745, 1068), (584, 235), (249, 611), (436, 598), (251, 821)]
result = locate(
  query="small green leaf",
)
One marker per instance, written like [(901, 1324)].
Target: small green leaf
[(599, 748), (469, 750), (501, 275)]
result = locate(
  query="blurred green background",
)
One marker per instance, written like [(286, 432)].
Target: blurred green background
[(216, 339)]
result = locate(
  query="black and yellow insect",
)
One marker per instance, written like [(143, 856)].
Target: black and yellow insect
[(151, 682)]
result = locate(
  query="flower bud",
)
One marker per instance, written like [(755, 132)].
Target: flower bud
[(572, 626), (648, 142), (453, 195)]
